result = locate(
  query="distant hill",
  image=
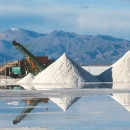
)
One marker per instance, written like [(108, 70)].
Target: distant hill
[(84, 49)]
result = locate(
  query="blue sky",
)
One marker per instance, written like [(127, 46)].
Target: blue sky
[(106, 17)]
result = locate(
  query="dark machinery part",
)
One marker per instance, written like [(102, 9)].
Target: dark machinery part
[(32, 58)]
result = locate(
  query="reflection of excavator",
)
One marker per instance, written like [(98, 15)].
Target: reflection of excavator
[(36, 64), (30, 105)]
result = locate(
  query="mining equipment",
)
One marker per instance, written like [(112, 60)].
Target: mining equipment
[(33, 64)]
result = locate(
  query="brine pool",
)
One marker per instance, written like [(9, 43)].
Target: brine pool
[(65, 109)]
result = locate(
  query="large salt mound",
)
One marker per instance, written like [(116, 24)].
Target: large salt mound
[(119, 71), (63, 71), (27, 79)]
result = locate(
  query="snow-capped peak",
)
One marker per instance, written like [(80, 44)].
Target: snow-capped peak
[(14, 29)]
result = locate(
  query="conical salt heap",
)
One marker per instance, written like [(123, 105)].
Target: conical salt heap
[(119, 74), (63, 73), (27, 79), (121, 69)]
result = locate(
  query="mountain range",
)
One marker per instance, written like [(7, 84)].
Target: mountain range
[(83, 49)]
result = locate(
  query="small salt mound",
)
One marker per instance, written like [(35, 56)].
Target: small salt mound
[(118, 72), (27, 79), (63, 71)]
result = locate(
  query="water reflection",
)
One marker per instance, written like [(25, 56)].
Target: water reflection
[(122, 98), (65, 101), (30, 105)]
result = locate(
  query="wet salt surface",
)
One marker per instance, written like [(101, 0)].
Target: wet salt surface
[(84, 108)]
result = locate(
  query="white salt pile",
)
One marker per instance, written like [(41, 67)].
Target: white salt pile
[(26, 81), (63, 71), (119, 71)]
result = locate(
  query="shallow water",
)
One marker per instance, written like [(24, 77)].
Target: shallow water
[(65, 108)]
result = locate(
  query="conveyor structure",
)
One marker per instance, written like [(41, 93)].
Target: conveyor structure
[(38, 65)]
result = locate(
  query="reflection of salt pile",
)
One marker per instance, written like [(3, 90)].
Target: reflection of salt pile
[(119, 72), (123, 99), (65, 102), (63, 73), (27, 79)]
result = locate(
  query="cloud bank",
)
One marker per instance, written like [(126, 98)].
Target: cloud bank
[(74, 16)]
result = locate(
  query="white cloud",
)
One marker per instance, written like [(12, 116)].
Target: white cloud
[(56, 15)]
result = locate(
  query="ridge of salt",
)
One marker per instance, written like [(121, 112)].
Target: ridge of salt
[(122, 58)]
